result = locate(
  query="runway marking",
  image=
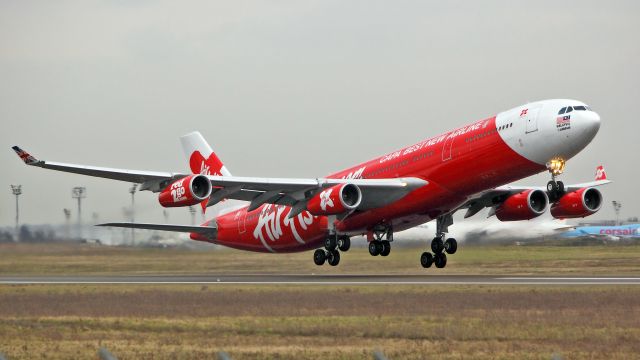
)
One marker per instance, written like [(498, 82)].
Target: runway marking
[(320, 280)]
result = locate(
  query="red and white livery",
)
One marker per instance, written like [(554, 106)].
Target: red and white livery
[(463, 169)]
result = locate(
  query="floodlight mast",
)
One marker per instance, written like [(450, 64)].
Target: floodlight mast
[(17, 191), (79, 192), (616, 207)]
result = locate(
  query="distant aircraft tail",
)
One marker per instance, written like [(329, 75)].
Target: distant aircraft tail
[(202, 159), (600, 173)]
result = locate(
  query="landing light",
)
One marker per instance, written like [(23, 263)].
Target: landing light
[(556, 166)]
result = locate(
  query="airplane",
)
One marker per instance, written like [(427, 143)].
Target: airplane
[(463, 169), (611, 233)]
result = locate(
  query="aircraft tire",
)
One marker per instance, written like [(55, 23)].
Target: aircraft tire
[(344, 243), (426, 260), (451, 246), (330, 243), (334, 258), (437, 246), (440, 260), (319, 257), (374, 248), (386, 248)]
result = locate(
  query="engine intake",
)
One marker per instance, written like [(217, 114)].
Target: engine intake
[(523, 206), (187, 191), (335, 200), (579, 203)]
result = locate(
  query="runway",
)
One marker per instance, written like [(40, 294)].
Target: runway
[(312, 279)]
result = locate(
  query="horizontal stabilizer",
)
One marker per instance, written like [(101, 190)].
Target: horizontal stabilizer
[(207, 230)]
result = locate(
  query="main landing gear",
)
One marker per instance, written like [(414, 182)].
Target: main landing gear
[(439, 245), (330, 253), (555, 189), (381, 243)]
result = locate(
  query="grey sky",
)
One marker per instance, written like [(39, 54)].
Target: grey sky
[(295, 88)]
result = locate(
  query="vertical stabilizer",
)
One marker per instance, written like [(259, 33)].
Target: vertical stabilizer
[(202, 159)]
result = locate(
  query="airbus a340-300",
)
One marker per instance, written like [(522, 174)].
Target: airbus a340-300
[(466, 168)]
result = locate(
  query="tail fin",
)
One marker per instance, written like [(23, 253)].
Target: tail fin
[(600, 173), (202, 159)]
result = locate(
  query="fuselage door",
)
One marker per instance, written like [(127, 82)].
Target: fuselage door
[(447, 147), (530, 115)]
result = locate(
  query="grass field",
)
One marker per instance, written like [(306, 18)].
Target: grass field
[(57, 259), (315, 321)]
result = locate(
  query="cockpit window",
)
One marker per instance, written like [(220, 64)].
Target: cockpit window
[(562, 111), (569, 109), (580, 108)]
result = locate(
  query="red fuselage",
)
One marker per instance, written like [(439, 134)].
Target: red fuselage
[(456, 164)]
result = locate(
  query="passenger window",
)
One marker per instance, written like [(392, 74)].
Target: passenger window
[(569, 109), (562, 111)]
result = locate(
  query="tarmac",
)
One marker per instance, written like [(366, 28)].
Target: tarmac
[(313, 279)]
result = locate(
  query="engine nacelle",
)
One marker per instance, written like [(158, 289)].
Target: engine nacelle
[(579, 203), (335, 200), (523, 206), (190, 190)]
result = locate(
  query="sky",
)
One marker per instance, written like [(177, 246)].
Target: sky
[(295, 88)]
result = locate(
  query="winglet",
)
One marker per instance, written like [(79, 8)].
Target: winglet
[(600, 173), (25, 156)]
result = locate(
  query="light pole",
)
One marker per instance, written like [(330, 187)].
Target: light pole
[(79, 192), (17, 191), (616, 207), (132, 191)]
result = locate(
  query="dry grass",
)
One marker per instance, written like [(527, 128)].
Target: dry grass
[(296, 322), (495, 260)]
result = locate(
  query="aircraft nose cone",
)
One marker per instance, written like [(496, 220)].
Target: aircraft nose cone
[(591, 122)]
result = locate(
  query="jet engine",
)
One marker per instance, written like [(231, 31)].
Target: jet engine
[(579, 203), (523, 206), (187, 191), (335, 200)]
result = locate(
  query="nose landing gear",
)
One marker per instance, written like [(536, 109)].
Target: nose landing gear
[(555, 189)]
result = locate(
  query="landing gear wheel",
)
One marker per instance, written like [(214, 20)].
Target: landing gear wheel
[(451, 246), (375, 248), (560, 187), (330, 242), (440, 260), (426, 259), (344, 243), (552, 187), (334, 258), (437, 246), (319, 257), (386, 248)]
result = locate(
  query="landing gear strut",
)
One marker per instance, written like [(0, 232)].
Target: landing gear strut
[(330, 253), (381, 243), (555, 189), (439, 245)]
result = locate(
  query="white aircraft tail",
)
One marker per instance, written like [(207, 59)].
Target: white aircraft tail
[(202, 159)]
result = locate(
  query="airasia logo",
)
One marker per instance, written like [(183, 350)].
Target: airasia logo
[(274, 221), (200, 165), (600, 174), (325, 199), (178, 191)]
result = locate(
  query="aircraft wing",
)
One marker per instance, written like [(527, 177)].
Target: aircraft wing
[(133, 176), (285, 191), (292, 192), (207, 230), (493, 197)]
